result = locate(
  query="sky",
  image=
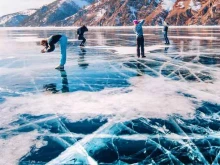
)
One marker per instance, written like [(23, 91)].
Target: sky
[(12, 6)]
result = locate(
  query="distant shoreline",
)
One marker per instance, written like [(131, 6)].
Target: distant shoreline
[(101, 27)]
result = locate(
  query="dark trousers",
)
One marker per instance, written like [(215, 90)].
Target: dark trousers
[(140, 44), (81, 37), (166, 38)]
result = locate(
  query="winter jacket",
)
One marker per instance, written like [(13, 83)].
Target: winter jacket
[(138, 29), (52, 40), (82, 30)]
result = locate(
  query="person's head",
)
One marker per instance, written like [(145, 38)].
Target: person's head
[(85, 28), (43, 42), (135, 22)]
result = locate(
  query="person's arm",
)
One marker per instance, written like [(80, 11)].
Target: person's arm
[(164, 25), (44, 50), (135, 31), (50, 48), (142, 22), (49, 45), (87, 29)]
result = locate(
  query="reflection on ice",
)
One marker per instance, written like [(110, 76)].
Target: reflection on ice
[(65, 86), (109, 106), (194, 37)]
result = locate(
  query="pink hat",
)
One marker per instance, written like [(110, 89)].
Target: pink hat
[(136, 22)]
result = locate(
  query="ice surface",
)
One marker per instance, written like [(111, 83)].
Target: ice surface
[(109, 106)]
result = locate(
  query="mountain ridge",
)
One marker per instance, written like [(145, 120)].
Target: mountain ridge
[(14, 19), (122, 13)]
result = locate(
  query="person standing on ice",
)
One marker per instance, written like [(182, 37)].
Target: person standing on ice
[(140, 37), (165, 31), (49, 45), (80, 33)]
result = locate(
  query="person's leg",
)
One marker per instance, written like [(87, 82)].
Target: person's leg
[(80, 38), (138, 47), (63, 45), (84, 40), (165, 37), (168, 42), (142, 47)]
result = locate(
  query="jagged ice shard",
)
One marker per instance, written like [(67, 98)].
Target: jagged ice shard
[(109, 107)]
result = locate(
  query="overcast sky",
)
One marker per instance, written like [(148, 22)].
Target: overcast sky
[(12, 6)]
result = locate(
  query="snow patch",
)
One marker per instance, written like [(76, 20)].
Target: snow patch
[(159, 98), (80, 3), (5, 19), (28, 12), (133, 10), (11, 150), (168, 4), (196, 6), (12, 17), (100, 14), (128, 50), (180, 5)]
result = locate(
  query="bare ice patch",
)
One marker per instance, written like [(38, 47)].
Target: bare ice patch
[(28, 39), (194, 37), (134, 34), (125, 50)]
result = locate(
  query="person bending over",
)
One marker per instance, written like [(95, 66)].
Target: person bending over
[(140, 37), (49, 45), (80, 33)]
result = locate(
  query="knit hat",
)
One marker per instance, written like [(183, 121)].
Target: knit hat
[(135, 22)]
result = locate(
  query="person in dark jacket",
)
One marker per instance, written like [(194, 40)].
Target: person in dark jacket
[(80, 33), (140, 37), (165, 30), (49, 45)]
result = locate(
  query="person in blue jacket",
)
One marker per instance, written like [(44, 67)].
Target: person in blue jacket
[(80, 33), (140, 37), (49, 45)]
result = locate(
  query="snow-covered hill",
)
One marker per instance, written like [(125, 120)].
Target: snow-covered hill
[(195, 12), (176, 12), (50, 14), (120, 13), (15, 19), (113, 13)]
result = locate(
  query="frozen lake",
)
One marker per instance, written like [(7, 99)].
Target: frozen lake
[(109, 107)]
